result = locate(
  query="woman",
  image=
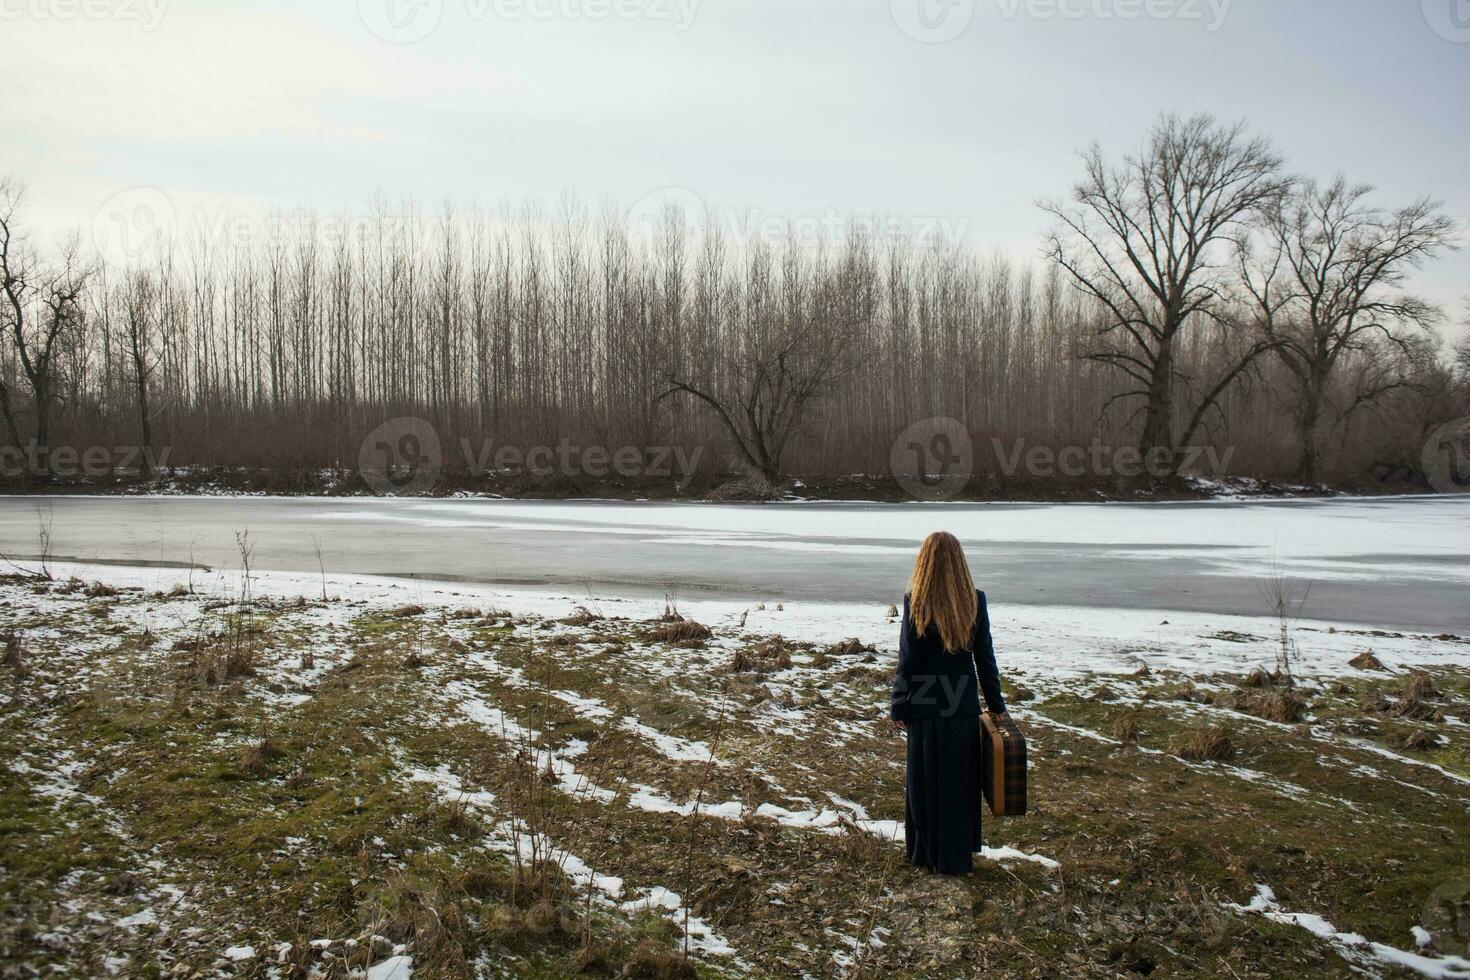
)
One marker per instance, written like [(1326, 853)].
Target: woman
[(944, 649)]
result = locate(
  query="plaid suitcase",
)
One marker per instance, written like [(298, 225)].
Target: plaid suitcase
[(1002, 766)]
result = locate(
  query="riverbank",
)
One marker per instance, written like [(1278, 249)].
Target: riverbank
[(240, 481), (241, 774)]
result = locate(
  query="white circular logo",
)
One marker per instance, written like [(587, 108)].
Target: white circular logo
[(933, 459), (1447, 457), (132, 224), (932, 21), (655, 213), (1450, 19), (401, 21), (400, 458)]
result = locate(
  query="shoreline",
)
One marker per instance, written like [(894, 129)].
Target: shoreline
[(855, 489)]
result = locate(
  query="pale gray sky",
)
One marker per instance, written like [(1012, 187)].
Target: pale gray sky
[(960, 112)]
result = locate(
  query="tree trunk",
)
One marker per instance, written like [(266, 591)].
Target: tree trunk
[(1309, 416), (1158, 419), (140, 378), (43, 429), (145, 457), (10, 422)]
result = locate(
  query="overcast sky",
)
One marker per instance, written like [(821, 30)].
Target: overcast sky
[(960, 113)]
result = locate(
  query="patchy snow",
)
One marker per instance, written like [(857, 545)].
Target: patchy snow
[(1011, 854), (702, 939), (1356, 949), (1048, 647), (474, 707), (144, 917), (1368, 746), (589, 708), (673, 747), (393, 968), (450, 786), (1056, 641)]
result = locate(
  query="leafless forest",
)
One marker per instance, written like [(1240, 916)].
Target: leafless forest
[(1191, 292)]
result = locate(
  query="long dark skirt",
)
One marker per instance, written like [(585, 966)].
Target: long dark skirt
[(942, 812)]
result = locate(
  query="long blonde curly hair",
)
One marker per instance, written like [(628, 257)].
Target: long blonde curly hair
[(942, 593)]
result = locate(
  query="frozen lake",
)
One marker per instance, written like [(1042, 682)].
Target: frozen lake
[(1386, 561)]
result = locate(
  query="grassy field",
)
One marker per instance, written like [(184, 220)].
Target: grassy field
[(262, 786)]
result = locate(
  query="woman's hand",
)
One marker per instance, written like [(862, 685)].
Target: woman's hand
[(900, 726)]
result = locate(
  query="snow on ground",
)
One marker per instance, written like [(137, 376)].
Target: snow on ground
[(1058, 642), (1055, 647), (507, 837), (1355, 948)]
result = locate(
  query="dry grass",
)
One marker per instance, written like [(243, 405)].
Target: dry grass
[(1366, 661), (749, 488), (772, 653), (682, 633), (1125, 726), (1420, 687), (1415, 709), (406, 612), (652, 961), (582, 616), (409, 909), (217, 659), (1375, 701), (1204, 745), (380, 855), (1258, 678), (14, 653), (1283, 705), (255, 758), (1415, 739)]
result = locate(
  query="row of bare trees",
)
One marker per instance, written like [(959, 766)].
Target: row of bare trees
[(1203, 231), (1194, 294)]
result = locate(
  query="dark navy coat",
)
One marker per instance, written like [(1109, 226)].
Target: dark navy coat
[(930, 683)]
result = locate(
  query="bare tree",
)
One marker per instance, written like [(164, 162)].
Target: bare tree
[(43, 312), (15, 281), (1327, 282), (1146, 240), (800, 335), (809, 358), (140, 314)]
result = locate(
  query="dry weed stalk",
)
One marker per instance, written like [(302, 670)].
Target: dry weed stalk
[(1285, 602), (691, 827)]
